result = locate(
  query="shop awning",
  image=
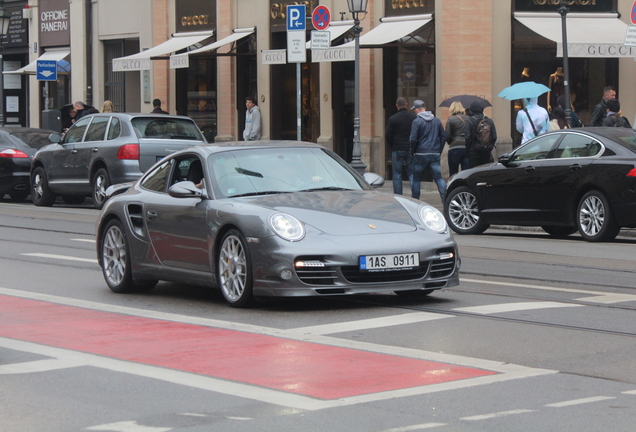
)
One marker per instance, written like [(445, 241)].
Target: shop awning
[(392, 29), (141, 61), (53, 54), (336, 29), (181, 60), (589, 34)]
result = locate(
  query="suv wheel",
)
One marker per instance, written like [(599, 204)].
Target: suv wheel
[(40, 192), (100, 184)]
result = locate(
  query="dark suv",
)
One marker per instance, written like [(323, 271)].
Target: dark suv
[(104, 149)]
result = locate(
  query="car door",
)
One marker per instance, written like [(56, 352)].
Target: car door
[(63, 160), (510, 190), (177, 226), (562, 173), (90, 149)]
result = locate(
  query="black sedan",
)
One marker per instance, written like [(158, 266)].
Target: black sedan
[(260, 219), (17, 148), (564, 181)]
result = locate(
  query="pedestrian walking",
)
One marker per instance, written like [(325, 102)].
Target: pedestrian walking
[(481, 137), (600, 110), (456, 130), (252, 130), (558, 121), (614, 117), (157, 107), (398, 132), (108, 106), (427, 142), (532, 120)]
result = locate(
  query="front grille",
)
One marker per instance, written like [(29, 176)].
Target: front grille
[(443, 267), (354, 275), (317, 275)]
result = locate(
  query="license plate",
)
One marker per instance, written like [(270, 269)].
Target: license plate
[(405, 261)]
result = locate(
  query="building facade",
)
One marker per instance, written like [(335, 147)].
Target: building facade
[(203, 58)]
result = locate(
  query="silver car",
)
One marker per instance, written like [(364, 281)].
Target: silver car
[(104, 149), (262, 219)]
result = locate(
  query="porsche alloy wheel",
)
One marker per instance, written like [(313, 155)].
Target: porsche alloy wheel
[(234, 267), (594, 218), (462, 212), (40, 192)]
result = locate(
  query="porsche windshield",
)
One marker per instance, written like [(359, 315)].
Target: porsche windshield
[(280, 170)]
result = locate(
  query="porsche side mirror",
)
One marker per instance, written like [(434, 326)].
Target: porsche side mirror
[(185, 189), (374, 179)]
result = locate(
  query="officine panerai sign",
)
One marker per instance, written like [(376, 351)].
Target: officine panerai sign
[(54, 23)]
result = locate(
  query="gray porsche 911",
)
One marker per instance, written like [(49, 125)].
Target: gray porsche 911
[(271, 218)]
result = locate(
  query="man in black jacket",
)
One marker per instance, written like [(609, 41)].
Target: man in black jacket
[(600, 110), (398, 130), (476, 157)]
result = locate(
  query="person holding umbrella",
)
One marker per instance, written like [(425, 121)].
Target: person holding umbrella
[(533, 120), (456, 130)]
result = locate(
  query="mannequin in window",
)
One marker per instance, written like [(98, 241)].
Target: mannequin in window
[(556, 87), (525, 75)]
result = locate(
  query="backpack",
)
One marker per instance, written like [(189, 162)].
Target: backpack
[(483, 136), (621, 122)]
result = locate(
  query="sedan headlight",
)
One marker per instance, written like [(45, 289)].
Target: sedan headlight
[(287, 227), (433, 219)]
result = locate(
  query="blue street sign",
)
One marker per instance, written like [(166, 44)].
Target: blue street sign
[(46, 70), (296, 17)]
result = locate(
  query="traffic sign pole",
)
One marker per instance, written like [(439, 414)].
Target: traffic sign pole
[(297, 52)]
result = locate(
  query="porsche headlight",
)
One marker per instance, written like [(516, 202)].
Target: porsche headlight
[(287, 227), (433, 219)]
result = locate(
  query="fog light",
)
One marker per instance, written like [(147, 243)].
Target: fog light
[(286, 274)]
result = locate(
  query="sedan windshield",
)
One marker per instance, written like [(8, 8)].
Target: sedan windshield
[(280, 170)]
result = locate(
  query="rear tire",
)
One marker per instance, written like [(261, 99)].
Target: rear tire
[(100, 183), (40, 192), (461, 210), (594, 218), (559, 231)]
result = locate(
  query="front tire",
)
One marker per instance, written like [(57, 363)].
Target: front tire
[(594, 218), (41, 194), (100, 183), (461, 210), (234, 265), (115, 260)]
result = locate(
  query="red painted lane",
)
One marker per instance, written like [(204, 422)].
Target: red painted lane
[(310, 369)]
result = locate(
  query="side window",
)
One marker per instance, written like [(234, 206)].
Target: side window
[(97, 129), (537, 148), (115, 129), (76, 132), (157, 179), (575, 145), (188, 168)]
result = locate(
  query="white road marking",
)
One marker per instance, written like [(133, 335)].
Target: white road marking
[(609, 298), (630, 392), (193, 414), (415, 427), (497, 414), (371, 323), (60, 257), (37, 366), (513, 307), (84, 240), (579, 401), (130, 426)]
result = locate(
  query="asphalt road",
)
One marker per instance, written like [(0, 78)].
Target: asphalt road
[(539, 336)]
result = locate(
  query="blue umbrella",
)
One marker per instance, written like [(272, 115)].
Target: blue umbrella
[(522, 90)]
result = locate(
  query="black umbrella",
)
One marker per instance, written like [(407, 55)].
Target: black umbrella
[(466, 101)]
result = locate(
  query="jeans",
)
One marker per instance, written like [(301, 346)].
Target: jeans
[(431, 162), (457, 157), (399, 159)]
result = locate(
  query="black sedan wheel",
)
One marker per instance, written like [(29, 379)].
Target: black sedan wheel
[(100, 183), (462, 212), (594, 218), (234, 267), (115, 261), (40, 192), (559, 231)]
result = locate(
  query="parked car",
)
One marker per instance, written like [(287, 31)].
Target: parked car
[(267, 218), (574, 179), (104, 149), (17, 148)]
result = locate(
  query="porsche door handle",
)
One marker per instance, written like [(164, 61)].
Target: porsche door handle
[(73, 151), (95, 150), (575, 167), (151, 215)]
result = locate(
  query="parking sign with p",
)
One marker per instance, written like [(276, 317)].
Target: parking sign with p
[(296, 17)]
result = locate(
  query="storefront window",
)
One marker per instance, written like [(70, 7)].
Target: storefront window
[(196, 94)]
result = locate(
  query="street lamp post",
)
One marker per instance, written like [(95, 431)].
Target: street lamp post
[(5, 20), (563, 11), (356, 7)]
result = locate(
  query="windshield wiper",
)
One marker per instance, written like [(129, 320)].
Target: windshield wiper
[(326, 188), (248, 172), (259, 193)]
